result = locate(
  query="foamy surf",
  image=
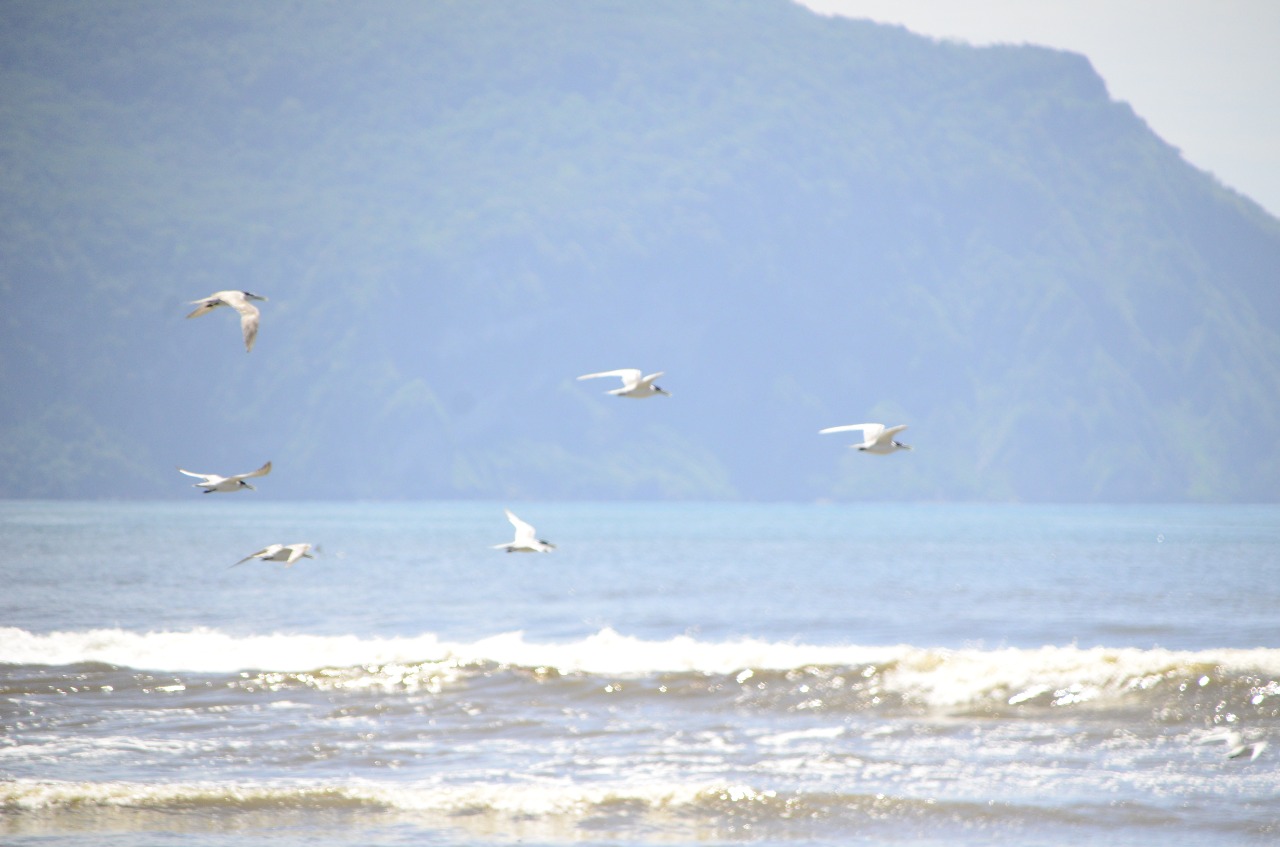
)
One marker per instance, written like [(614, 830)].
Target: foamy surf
[(1056, 675), (684, 811), (990, 699), (547, 798)]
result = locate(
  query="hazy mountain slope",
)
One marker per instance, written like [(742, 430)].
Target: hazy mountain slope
[(455, 208)]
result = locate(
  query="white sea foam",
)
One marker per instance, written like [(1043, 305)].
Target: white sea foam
[(783, 739), (547, 811), (606, 652), (1061, 674), (209, 651), (552, 797)]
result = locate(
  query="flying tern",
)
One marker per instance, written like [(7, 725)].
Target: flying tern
[(1236, 744), (633, 384), (287, 553), (212, 482), (238, 300), (876, 438), (526, 540)]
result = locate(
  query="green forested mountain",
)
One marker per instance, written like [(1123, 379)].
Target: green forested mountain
[(457, 207)]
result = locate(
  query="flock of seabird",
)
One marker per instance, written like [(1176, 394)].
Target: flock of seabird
[(876, 438), (635, 384)]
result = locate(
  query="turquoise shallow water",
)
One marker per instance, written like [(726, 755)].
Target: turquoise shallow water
[(670, 674)]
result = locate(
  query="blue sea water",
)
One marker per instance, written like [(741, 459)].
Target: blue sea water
[(672, 673)]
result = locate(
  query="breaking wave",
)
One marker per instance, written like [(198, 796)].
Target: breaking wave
[(937, 678), (704, 808)]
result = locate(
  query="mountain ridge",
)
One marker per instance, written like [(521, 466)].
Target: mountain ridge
[(457, 208)]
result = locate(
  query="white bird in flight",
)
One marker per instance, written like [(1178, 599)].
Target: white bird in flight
[(633, 384), (1236, 744), (238, 300), (212, 482), (876, 439), (526, 540), (287, 553)]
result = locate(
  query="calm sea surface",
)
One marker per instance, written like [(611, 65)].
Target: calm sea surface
[(672, 674)]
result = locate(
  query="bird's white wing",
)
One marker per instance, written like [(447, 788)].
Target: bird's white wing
[(651, 377), (262, 471), (205, 306), (524, 531), (264, 553), (248, 325), (848, 427), (625, 374), (1230, 736), (296, 552), (204, 476), (886, 434)]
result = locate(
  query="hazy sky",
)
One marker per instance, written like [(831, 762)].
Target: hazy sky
[(1204, 74)]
